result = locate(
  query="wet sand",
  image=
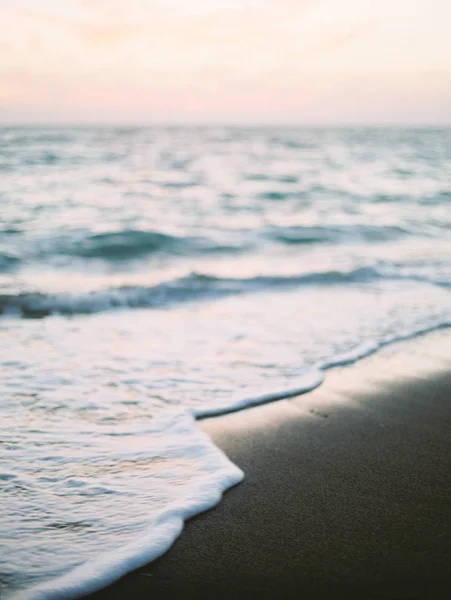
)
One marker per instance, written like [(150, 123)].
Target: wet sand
[(347, 492)]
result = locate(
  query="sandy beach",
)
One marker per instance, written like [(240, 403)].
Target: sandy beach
[(346, 493)]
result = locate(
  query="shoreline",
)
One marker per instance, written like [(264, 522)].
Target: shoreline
[(346, 491)]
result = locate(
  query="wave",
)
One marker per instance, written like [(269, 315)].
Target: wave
[(123, 244), (161, 532), (110, 247), (194, 287), (274, 195), (129, 244), (8, 262), (292, 235), (134, 244)]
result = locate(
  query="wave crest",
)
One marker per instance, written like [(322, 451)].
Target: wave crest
[(194, 287), (123, 244)]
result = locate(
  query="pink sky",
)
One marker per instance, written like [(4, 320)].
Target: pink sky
[(238, 61)]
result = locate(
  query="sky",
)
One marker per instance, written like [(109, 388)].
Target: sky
[(226, 61)]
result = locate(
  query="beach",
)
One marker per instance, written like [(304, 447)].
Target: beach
[(346, 492), (225, 300)]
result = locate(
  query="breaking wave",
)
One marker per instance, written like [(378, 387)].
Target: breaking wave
[(193, 287)]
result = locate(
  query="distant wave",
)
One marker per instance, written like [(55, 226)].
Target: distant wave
[(274, 195), (8, 262), (123, 244), (131, 244), (194, 287), (339, 234)]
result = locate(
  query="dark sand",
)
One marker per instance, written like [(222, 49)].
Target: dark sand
[(347, 493)]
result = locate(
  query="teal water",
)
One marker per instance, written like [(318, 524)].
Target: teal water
[(153, 275)]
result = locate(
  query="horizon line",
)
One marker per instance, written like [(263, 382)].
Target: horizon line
[(232, 124)]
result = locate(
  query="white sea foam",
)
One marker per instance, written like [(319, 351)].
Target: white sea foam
[(162, 531), (311, 379), (368, 348)]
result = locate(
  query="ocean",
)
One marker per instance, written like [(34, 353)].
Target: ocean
[(150, 276)]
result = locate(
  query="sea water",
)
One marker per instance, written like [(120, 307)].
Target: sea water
[(149, 276)]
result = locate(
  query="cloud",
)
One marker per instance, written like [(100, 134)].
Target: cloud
[(335, 43), (91, 33), (202, 56)]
